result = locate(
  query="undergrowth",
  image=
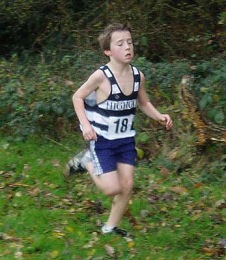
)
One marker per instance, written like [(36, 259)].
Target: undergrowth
[(172, 215), (177, 208), (36, 91)]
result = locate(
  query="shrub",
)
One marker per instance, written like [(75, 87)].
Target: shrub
[(36, 93)]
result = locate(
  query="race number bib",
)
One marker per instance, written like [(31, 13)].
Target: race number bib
[(120, 127)]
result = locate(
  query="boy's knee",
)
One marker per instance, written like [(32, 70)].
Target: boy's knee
[(128, 187), (112, 192)]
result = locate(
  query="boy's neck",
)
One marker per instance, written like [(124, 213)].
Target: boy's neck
[(118, 67)]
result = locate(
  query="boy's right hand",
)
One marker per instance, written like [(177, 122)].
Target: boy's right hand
[(89, 133), (166, 121)]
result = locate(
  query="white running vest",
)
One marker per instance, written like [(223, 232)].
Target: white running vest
[(114, 117)]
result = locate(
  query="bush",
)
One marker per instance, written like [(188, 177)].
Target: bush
[(209, 87), (33, 99), (163, 30), (36, 94)]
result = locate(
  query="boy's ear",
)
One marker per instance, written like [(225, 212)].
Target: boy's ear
[(107, 52)]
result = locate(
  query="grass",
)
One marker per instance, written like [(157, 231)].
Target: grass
[(171, 216)]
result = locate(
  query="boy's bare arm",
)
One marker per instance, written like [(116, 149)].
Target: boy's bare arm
[(78, 101), (148, 109)]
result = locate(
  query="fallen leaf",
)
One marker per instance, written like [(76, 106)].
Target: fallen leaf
[(6, 252), (58, 233), (18, 194), (18, 255), (69, 83), (198, 185), (5, 146), (70, 229), (20, 92), (34, 192), (17, 184), (6, 237), (173, 154), (110, 250), (93, 241), (179, 189), (164, 171), (40, 161), (140, 153), (2, 185), (55, 163), (131, 244), (27, 167), (52, 185), (54, 254), (221, 204), (209, 251), (144, 213), (222, 242)]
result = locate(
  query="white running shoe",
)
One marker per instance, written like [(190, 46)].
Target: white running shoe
[(77, 164)]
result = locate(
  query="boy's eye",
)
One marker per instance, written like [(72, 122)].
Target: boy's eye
[(128, 42)]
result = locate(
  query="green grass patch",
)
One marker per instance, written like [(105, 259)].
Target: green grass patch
[(171, 215)]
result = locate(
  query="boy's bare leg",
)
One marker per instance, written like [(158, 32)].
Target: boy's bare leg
[(120, 201), (118, 184), (108, 183)]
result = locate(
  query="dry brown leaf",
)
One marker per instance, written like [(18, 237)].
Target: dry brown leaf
[(164, 171), (179, 189), (173, 154), (209, 251), (20, 92), (198, 185), (26, 167), (6, 252), (69, 83), (54, 254), (18, 255), (221, 204), (55, 163), (34, 192), (17, 184), (110, 250)]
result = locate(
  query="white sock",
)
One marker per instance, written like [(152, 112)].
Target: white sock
[(105, 229)]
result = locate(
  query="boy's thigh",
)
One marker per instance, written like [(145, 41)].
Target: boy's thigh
[(109, 178), (125, 175), (110, 182)]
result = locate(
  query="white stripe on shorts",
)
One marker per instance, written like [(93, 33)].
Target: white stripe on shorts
[(97, 169)]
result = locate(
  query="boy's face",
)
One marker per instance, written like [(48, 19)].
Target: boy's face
[(121, 47)]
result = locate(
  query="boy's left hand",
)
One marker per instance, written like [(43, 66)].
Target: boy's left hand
[(166, 121)]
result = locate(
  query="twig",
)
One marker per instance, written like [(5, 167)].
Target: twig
[(65, 147)]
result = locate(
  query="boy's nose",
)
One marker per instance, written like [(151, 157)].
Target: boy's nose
[(127, 46)]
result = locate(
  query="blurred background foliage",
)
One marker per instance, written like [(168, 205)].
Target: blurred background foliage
[(48, 48), (163, 29)]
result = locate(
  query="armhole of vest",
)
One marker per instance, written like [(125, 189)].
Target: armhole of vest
[(137, 74), (103, 68)]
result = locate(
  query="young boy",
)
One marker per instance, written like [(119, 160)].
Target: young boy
[(105, 106)]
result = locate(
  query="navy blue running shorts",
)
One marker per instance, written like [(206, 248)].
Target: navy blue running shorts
[(107, 153)]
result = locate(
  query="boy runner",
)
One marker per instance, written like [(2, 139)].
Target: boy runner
[(105, 106)]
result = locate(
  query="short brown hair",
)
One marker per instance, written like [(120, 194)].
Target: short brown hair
[(104, 38)]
